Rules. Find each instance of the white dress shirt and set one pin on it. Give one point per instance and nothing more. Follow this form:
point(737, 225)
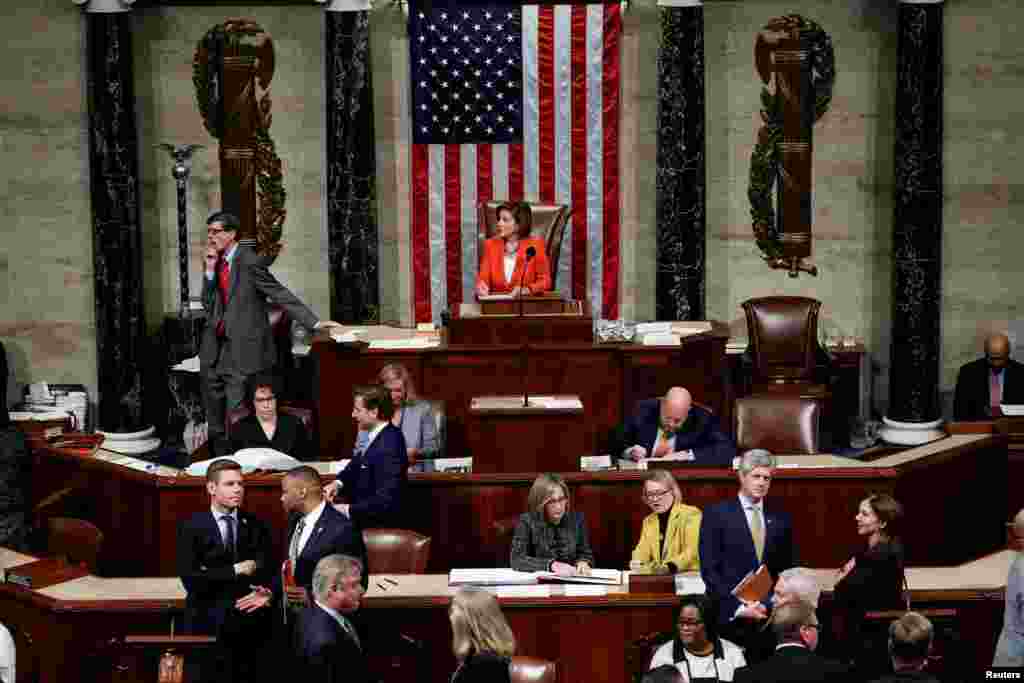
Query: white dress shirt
point(222, 525)
point(748, 511)
point(373, 434)
point(7, 672)
point(310, 519)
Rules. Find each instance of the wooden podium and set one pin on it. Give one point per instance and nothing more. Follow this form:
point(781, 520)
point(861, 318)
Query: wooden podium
point(543, 319)
point(546, 435)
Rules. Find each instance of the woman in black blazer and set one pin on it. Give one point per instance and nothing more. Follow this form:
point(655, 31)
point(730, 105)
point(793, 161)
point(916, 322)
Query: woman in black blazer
point(482, 641)
point(266, 427)
point(551, 537)
point(871, 580)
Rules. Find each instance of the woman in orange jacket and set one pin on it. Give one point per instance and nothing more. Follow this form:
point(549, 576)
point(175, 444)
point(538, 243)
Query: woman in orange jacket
point(513, 262)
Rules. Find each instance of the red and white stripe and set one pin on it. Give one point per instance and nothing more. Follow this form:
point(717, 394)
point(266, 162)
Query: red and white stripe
point(569, 155)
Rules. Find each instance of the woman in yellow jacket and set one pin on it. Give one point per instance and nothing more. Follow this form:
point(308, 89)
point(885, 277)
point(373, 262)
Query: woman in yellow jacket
point(668, 540)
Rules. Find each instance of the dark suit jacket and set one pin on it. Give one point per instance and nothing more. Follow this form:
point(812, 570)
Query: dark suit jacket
point(374, 481)
point(483, 667)
point(207, 569)
point(908, 677)
point(324, 652)
point(533, 542)
point(290, 437)
point(701, 432)
point(245, 318)
point(727, 550)
point(794, 665)
point(971, 399)
point(334, 533)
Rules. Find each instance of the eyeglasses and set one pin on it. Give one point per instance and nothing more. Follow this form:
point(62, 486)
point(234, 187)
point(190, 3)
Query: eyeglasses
point(556, 501)
point(656, 495)
point(691, 624)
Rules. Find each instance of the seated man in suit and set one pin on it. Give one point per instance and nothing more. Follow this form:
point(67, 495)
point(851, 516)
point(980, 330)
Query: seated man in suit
point(375, 478)
point(739, 535)
point(222, 552)
point(326, 645)
point(796, 628)
point(910, 641)
point(315, 530)
point(674, 425)
point(983, 384)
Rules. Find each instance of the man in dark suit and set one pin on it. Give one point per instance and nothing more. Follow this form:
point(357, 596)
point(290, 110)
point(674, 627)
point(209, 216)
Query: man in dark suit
point(222, 553)
point(375, 479)
point(315, 530)
point(983, 384)
point(237, 341)
point(739, 535)
point(325, 642)
point(796, 628)
point(660, 427)
point(910, 641)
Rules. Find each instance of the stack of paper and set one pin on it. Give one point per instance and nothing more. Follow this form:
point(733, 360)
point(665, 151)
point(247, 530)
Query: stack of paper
point(607, 577)
point(1012, 410)
point(688, 583)
point(421, 342)
point(489, 577)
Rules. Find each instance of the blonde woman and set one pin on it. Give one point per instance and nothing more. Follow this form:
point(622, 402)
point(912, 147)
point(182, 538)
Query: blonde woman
point(482, 641)
point(412, 415)
point(551, 537)
point(670, 534)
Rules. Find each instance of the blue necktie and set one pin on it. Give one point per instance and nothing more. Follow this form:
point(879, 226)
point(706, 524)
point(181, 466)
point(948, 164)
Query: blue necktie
point(362, 443)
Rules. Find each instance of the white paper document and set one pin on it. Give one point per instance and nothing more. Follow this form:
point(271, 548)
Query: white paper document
point(188, 365)
point(556, 402)
point(500, 576)
point(578, 590)
point(251, 459)
point(421, 342)
point(1012, 410)
point(690, 582)
point(528, 591)
point(607, 577)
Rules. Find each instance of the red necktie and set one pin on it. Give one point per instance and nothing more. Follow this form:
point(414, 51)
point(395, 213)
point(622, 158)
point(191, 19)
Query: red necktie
point(995, 392)
point(224, 278)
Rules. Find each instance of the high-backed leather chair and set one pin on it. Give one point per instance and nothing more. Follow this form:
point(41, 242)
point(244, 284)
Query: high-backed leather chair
point(641, 651)
point(504, 529)
point(783, 337)
point(396, 551)
point(778, 423)
point(549, 221)
point(532, 670)
point(78, 540)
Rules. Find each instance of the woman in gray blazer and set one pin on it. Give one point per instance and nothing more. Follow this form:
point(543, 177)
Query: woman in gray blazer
point(413, 416)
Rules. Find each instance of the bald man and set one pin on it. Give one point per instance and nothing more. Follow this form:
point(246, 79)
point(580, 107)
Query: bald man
point(984, 384)
point(673, 425)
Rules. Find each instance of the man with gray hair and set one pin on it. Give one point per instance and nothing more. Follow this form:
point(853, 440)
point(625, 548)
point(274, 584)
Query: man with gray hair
point(1010, 648)
point(796, 628)
point(326, 644)
point(739, 535)
point(797, 583)
point(910, 640)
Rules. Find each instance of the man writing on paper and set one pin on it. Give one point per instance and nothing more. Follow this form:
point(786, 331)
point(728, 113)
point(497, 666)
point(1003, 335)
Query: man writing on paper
point(673, 426)
point(984, 384)
point(223, 554)
point(237, 342)
point(740, 535)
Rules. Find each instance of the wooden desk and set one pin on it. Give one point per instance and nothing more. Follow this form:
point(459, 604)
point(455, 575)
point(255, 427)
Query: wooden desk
point(609, 379)
point(70, 624)
point(504, 435)
point(936, 483)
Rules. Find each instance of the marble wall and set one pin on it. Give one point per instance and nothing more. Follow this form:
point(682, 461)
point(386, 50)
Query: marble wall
point(47, 315)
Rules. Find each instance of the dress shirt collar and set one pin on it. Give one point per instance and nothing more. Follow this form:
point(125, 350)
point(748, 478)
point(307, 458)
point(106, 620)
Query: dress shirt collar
point(217, 514)
point(748, 504)
point(230, 253)
point(313, 516)
point(335, 614)
point(782, 645)
point(375, 431)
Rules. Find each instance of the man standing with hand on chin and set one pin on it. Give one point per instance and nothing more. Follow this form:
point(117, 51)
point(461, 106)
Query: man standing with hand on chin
point(223, 555)
point(238, 291)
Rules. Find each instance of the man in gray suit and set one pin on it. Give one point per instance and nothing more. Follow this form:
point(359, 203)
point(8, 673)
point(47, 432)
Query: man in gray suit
point(237, 342)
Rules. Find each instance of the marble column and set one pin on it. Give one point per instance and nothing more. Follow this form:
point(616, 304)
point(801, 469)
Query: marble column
point(917, 223)
point(351, 165)
point(680, 260)
point(114, 187)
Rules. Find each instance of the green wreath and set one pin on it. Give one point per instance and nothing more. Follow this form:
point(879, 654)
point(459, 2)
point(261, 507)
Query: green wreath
point(765, 159)
point(270, 193)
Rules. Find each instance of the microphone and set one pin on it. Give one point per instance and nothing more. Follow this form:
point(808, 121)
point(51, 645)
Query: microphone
point(530, 253)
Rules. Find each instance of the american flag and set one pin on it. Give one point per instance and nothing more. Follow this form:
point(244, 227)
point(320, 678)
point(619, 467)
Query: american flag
point(513, 101)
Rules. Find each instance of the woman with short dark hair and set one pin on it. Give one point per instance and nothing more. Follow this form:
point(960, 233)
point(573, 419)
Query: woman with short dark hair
point(267, 427)
point(696, 651)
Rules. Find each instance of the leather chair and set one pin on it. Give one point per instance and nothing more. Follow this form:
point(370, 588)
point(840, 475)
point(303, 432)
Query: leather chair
point(396, 551)
point(783, 337)
point(780, 424)
point(504, 529)
point(641, 651)
point(76, 539)
point(532, 670)
point(549, 221)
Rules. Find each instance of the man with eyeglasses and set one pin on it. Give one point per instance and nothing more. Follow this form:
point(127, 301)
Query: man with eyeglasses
point(796, 627)
point(237, 293)
point(984, 384)
point(674, 427)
